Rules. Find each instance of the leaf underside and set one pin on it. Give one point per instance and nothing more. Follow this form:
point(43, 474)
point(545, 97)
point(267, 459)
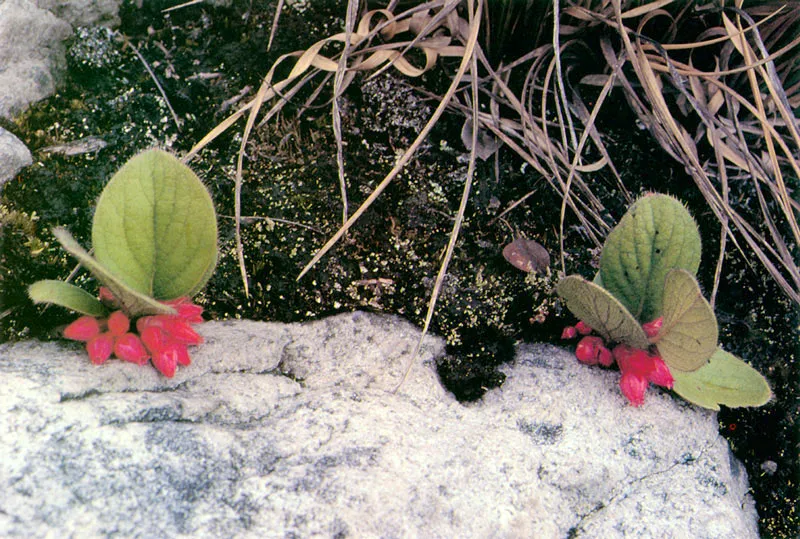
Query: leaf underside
point(132, 302)
point(66, 295)
point(602, 311)
point(689, 332)
point(656, 235)
point(726, 380)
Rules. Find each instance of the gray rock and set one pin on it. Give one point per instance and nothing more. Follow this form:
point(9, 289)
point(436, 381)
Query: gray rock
point(84, 12)
point(14, 156)
point(293, 431)
point(31, 54)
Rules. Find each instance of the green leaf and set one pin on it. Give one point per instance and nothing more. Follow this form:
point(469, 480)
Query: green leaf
point(132, 302)
point(155, 228)
point(66, 295)
point(600, 310)
point(656, 235)
point(688, 335)
point(727, 380)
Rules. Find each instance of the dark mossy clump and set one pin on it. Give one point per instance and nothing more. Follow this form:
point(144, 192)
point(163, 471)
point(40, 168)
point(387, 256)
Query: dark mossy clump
point(211, 59)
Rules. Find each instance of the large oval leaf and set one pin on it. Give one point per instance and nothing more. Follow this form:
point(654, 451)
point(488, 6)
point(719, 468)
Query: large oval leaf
point(131, 301)
point(689, 332)
point(66, 295)
point(600, 310)
point(727, 380)
point(656, 235)
point(155, 228)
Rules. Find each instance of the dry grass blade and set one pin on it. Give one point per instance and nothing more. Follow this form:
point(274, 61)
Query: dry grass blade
point(771, 124)
point(338, 86)
point(156, 81)
point(574, 165)
point(407, 155)
point(364, 59)
point(274, 29)
point(471, 57)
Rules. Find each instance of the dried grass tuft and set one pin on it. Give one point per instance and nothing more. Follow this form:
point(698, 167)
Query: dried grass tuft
point(731, 120)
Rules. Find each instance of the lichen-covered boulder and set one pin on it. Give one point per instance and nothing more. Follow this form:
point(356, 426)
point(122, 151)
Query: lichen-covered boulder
point(292, 430)
point(31, 54)
point(14, 156)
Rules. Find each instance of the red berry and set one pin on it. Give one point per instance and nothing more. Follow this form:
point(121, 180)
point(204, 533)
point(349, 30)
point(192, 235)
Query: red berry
point(100, 347)
point(569, 333)
point(129, 347)
point(83, 329)
point(118, 323)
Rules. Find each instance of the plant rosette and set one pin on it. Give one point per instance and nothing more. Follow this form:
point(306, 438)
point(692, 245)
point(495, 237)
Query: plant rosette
point(649, 315)
point(155, 246)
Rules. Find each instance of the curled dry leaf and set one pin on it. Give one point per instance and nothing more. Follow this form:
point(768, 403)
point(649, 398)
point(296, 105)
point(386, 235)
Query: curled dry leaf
point(486, 145)
point(527, 255)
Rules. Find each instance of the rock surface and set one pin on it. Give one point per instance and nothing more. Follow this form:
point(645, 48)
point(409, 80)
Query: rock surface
point(293, 431)
point(14, 156)
point(31, 54)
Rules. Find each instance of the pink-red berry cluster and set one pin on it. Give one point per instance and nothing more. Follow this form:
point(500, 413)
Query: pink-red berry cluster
point(639, 368)
point(161, 339)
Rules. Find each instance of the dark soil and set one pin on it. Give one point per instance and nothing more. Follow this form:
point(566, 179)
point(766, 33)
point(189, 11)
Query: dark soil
point(204, 56)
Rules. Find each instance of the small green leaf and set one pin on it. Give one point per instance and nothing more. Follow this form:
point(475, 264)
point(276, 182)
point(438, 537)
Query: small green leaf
point(600, 310)
point(727, 380)
point(656, 235)
point(155, 228)
point(689, 332)
point(132, 302)
point(66, 295)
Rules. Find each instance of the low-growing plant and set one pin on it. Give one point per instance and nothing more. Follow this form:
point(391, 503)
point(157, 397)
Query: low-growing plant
point(646, 301)
point(154, 237)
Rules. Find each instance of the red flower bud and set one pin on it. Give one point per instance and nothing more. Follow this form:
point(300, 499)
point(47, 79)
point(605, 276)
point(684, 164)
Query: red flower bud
point(660, 374)
point(177, 301)
point(633, 360)
point(652, 328)
point(588, 350)
point(153, 338)
point(100, 347)
point(582, 328)
point(181, 331)
point(604, 356)
point(190, 312)
point(129, 347)
point(149, 321)
point(118, 323)
point(181, 353)
point(166, 360)
point(83, 329)
point(569, 333)
point(633, 386)
point(107, 297)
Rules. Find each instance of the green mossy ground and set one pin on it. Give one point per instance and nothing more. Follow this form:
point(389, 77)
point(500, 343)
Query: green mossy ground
point(204, 56)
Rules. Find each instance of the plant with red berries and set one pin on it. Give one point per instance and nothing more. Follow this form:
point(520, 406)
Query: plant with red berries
point(155, 246)
point(647, 304)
